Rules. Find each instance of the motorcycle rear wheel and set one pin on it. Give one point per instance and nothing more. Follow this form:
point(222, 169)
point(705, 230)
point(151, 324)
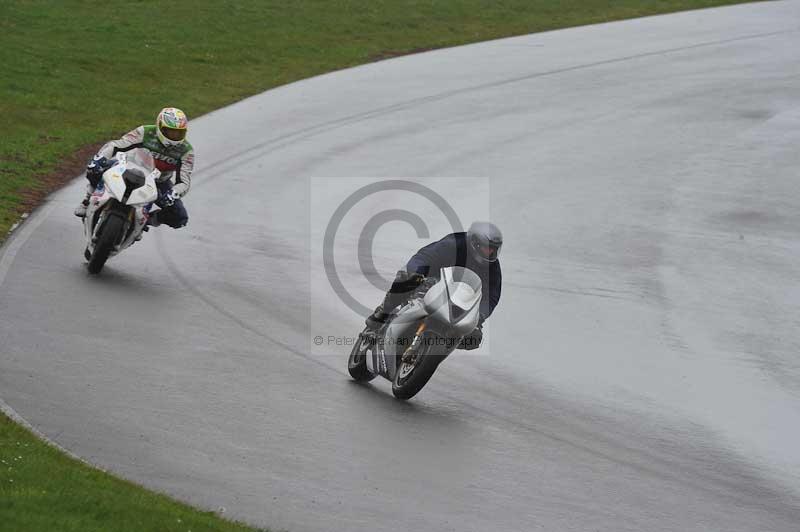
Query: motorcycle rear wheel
point(110, 234)
point(357, 363)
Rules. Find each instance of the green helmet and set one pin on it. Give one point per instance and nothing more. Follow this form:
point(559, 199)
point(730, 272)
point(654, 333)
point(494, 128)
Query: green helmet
point(171, 126)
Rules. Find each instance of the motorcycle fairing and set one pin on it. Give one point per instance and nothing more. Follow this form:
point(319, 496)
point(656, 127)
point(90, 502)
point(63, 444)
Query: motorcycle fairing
point(450, 309)
point(390, 344)
point(453, 303)
point(113, 185)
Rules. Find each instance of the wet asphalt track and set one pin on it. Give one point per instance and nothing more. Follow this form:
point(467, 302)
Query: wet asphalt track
point(642, 372)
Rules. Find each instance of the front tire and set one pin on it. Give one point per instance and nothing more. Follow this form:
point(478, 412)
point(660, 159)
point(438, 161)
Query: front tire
point(357, 363)
point(110, 234)
point(409, 380)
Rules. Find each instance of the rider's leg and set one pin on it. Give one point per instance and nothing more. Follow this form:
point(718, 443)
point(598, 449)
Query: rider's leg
point(80, 210)
point(401, 291)
point(174, 216)
point(94, 173)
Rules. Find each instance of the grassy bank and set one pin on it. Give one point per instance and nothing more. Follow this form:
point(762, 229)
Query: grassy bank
point(43, 490)
point(77, 72)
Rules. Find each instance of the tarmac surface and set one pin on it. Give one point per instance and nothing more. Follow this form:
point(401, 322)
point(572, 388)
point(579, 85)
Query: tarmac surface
point(640, 372)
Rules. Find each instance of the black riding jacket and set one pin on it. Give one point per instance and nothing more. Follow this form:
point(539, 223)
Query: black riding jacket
point(452, 251)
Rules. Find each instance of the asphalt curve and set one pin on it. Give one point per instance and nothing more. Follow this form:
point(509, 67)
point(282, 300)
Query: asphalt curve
point(641, 370)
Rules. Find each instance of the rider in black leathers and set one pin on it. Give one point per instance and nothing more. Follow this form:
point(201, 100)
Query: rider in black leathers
point(477, 249)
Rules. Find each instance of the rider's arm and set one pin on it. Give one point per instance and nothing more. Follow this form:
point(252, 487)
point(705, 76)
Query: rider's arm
point(130, 140)
point(183, 174)
point(430, 259)
point(495, 284)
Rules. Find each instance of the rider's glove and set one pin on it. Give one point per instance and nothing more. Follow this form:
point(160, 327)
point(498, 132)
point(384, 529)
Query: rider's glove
point(95, 169)
point(167, 199)
point(405, 283)
point(472, 340)
point(417, 278)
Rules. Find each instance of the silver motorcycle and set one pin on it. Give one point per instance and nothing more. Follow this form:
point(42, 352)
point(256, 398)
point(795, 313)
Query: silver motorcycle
point(415, 339)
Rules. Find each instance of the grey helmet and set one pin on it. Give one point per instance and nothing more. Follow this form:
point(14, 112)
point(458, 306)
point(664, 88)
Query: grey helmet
point(484, 241)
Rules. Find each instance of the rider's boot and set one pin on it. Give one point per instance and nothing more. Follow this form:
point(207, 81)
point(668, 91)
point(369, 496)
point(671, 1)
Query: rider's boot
point(377, 318)
point(384, 310)
point(80, 210)
point(401, 291)
point(139, 236)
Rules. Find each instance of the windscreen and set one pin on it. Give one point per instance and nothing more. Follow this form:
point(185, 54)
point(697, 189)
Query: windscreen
point(139, 163)
point(141, 159)
point(464, 286)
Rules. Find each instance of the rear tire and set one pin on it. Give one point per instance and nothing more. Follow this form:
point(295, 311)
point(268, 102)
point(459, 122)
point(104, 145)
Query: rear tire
point(357, 363)
point(406, 387)
point(110, 234)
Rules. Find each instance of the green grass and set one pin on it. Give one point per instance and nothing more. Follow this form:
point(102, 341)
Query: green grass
point(79, 72)
point(41, 489)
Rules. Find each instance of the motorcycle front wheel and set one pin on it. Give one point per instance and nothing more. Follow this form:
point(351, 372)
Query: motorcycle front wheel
point(412, 377)
point(357, 363)
point(109, 235)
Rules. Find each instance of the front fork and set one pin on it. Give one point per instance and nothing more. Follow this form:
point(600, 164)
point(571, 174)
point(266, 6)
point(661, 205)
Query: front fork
point(411, 351)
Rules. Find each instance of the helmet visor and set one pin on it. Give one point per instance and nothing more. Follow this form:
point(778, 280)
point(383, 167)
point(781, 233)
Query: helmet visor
point(173, 133)
point(488, 252)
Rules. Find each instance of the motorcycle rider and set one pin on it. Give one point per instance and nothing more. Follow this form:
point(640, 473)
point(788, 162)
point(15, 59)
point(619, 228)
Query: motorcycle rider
point(174, 157)
point(477, 249)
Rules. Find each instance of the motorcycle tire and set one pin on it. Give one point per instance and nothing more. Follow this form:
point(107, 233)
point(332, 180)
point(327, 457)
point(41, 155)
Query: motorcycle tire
point(110, 234)
point(357, 362)
point(406, 387)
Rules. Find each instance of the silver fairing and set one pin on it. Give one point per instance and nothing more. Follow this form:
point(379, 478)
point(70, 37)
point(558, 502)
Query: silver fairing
point(450, 309)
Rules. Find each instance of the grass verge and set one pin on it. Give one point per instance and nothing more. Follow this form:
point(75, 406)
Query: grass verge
point(41, 489)
point(76, 73)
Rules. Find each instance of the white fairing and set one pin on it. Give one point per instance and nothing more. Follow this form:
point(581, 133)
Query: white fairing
point(141, 162)
point(147, 193)
point(138, 163)
point(114, 182)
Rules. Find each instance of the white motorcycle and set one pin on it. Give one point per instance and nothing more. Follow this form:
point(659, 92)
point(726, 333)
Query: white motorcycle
point(120, 206)
point(408, 348)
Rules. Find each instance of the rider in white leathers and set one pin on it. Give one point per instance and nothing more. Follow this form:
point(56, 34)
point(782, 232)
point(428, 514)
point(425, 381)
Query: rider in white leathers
point(174, 157)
